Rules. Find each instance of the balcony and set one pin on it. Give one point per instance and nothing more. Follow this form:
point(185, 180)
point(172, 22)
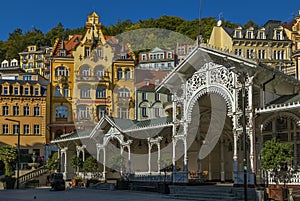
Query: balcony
point(61, 79)
point(92, 78)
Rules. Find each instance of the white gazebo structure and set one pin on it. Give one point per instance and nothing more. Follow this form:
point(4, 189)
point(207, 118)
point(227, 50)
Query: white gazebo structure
point(204, 134)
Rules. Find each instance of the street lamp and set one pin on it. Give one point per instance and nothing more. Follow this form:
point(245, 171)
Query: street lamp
point(242, 73)
point(18, 150)
point(243, 80)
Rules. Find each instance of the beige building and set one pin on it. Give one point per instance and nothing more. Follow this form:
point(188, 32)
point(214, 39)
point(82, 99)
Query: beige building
point(268, 44)
point(23, 102)
point(36, 59)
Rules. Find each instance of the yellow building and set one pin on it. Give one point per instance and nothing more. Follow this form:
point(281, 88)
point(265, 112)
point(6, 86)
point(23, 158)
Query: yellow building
point(123, 89)
point(293, 33)
point(95, 61)
point(36, 60)
point(60, 117)
point(268, 44)
point(23, 110)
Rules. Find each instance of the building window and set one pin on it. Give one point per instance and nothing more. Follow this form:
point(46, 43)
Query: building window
point(101, 111)
point(238, 52)
point(238, 34)
point(61, 112)
point(16, 110)
point(26, 91)
point(36, 111)
point(99, 72)
point(261, 35)
point(26, 110)
point(36, 91)
point(5, 91)
point(85, 71)
point(99, 52)
point(36, 129)
point(30, 64)
point(16, 129)
point(16, 90)
point(30, 56)
point(119, 73)
point(169, 97)
point(85, 92)
point(87, 51)
point(5, 129)
point(62, 71)
point(5, 110)
point(57, 91)
point(83, 113)
point(27, 77)
point(157, 96)
point(278, 35)
point(261, 54)
point(26, 129)
point(62, 53)
point(123, 92)
point(250, 54)
point(144, 112)
point(123, 112)
point(144, 57)
point(249, 34)
point(66, 91)
point(127, 74)
point(156, 112)
point(169, 55)
point(144, 96)
point(101, 93)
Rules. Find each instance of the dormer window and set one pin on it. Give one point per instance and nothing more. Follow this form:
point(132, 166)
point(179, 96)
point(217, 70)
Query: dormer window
point(278, 35)
point(249, 34)
point(62, 53)
point(238, 34)
point(261, 35)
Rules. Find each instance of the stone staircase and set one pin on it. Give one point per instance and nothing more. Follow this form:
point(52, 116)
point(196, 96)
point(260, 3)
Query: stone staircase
point(34, 178)
point(209, 193)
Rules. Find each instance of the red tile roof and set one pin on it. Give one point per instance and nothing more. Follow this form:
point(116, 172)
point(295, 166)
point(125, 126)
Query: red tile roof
point(68, 45)
point(147, 79)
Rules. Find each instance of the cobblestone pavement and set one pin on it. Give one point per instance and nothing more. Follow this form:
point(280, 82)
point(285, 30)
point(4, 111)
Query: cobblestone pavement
point(76, 194)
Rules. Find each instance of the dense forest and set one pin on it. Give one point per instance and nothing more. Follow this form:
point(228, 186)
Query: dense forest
point(19, 40)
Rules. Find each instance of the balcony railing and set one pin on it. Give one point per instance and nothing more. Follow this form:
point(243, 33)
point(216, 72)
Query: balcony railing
point(92, 78)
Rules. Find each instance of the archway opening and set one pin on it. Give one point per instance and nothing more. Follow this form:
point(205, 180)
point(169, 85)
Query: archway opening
point(210, 140)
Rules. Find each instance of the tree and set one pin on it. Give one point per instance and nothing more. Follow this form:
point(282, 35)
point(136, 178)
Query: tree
point(276, 159)
point(7, 156)
point(76, 163)
point(52, 162)
point(90, 165)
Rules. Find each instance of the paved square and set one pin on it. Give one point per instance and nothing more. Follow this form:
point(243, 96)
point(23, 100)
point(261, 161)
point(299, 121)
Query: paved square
point(76, 194)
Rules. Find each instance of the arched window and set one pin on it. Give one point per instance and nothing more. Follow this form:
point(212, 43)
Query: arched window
point(83, 112)
point(127, 74)
point(85, 71)
point(61, 112)
point(61, 71)
point(124, 92)
point(99, 72)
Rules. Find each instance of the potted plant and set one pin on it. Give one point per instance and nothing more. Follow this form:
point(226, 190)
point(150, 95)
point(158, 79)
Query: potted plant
point(7, 156)
point(276, 160)
point(90, 165)
point(77, 164)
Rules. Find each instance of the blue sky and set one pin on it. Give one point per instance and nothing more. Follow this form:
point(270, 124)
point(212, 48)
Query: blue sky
point(72, 13)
